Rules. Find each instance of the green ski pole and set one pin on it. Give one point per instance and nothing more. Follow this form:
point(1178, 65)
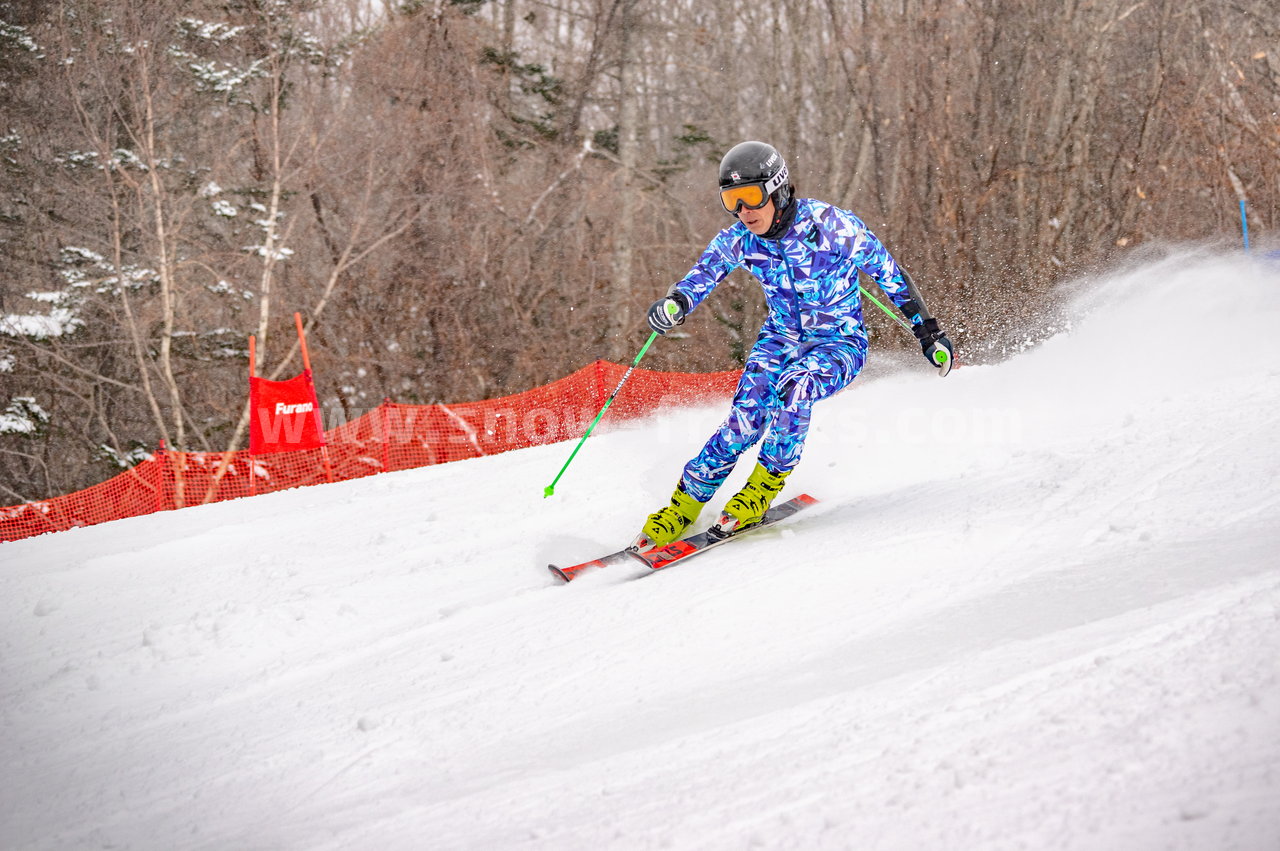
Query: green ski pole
point(551, 488)
point(887, 311)
point(940, 357)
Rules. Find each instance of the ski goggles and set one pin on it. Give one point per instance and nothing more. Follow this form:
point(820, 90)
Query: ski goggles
point(753, 196)
point(749, 195)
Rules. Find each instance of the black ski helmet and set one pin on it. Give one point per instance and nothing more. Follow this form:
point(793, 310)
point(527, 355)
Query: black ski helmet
point(757, 162)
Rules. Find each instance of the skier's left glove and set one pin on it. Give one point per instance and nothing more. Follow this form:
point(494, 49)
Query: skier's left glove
point(935, 345)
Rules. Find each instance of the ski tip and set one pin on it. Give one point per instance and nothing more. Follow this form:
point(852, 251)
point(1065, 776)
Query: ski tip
point(558, 573)
point(806, 499)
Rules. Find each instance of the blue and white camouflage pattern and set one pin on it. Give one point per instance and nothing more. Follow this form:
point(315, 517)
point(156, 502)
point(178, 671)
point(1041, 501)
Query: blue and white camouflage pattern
point(813, 342)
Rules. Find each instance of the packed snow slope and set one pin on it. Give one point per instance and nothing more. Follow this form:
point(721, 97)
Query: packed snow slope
point(1037, 607)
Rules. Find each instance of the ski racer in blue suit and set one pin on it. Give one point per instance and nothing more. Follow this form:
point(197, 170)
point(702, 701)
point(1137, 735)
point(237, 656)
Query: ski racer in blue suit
point(806, 255)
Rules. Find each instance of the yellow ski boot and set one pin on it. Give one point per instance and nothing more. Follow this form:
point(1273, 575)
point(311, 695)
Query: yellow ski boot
point(668, 523)
point(747, 507)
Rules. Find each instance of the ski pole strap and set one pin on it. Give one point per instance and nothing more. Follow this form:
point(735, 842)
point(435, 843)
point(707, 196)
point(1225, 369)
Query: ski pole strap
point(551, 488)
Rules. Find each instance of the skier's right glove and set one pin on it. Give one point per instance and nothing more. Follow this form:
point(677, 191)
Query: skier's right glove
point(667, 312)
point(935, 345)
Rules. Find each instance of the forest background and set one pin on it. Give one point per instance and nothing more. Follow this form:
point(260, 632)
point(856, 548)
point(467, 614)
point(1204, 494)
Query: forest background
point(467, 199)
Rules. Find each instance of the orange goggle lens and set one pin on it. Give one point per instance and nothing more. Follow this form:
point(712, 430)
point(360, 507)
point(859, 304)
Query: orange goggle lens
point(750, 195)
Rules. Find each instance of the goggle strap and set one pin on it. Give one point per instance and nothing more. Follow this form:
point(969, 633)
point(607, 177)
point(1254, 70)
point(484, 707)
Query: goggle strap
point(776, 181)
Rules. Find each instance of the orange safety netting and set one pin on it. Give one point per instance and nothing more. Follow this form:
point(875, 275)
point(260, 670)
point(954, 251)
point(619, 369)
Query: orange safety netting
point(390, 437)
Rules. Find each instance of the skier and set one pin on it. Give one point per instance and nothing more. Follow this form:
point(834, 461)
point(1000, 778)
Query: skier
point(806, 255)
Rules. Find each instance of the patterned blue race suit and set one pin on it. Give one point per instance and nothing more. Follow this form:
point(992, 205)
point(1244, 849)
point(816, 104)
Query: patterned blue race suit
point(813, 342)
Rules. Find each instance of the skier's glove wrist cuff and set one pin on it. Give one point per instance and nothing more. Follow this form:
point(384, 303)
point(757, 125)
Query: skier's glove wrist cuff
point(927, 330)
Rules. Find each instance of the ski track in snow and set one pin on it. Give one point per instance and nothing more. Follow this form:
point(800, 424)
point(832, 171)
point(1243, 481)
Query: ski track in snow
point(1037, 607)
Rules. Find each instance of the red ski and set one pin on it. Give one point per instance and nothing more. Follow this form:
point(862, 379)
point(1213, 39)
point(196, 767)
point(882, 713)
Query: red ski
point(703, 541)
point(687, 547)
point(568, 573)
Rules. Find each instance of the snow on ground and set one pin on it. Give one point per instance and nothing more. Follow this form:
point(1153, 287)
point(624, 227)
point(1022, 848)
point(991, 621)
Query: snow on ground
point(1038, 607)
